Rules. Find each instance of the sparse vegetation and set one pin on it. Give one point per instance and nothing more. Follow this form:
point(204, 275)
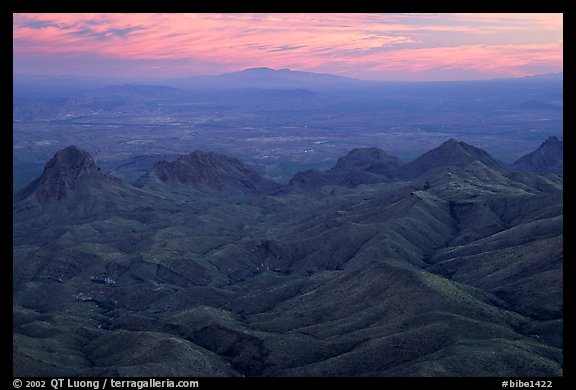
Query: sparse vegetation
point(449, 269)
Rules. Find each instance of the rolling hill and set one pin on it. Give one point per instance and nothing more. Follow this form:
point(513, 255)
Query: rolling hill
point(450, 265)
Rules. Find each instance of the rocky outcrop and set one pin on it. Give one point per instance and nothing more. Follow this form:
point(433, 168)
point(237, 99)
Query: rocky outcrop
point(548, 158)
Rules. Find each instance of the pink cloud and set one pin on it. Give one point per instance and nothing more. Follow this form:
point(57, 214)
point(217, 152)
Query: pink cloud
point(503, 60)
point(347, 44)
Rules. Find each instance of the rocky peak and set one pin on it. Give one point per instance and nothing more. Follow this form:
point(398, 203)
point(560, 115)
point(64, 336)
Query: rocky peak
point(213, 172)
point(452, 153)
point(552, 141)
point(71, 162)
point(62, 173)
point(369, 159)
point(453, 145)
point(547, 158)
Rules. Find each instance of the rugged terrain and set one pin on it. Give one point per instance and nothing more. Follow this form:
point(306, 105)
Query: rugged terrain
point(449, 265)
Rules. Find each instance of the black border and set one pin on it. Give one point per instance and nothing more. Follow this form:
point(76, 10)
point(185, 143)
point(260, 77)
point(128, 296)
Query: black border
point(356, 6)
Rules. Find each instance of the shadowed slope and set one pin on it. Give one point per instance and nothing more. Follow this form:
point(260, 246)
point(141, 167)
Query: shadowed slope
point(457, 272)
point(451, 153)
point(360, 166)
point(72, 188)
point(548, 158)
point(209, 172)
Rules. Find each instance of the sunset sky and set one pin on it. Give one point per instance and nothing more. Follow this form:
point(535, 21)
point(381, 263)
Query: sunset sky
point(366, 46)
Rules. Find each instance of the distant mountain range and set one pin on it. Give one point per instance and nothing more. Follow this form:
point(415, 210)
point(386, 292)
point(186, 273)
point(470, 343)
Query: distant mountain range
point(267, 78)
point(259, 78)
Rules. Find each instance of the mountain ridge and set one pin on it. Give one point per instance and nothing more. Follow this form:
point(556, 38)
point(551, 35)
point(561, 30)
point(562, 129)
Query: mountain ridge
point(451, 152)
point(63, 173)
point(94, 81)
point(267, 78)
point(210, 171)
point(547, 158)
point(456, 272)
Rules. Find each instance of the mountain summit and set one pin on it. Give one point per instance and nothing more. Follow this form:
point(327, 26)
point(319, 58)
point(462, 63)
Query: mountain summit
point(452, 153)
point(359, 166)
point(373, 160)
point(72, 161)
point(267, 78)
point(548, 158)
point(70, 187)
point(62, 173)
point(210, 172)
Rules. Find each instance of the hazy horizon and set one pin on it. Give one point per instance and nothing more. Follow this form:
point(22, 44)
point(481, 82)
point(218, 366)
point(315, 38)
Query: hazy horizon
point(152, 79)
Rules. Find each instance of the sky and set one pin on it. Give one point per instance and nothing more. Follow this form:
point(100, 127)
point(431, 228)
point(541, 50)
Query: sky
point(366, 46)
